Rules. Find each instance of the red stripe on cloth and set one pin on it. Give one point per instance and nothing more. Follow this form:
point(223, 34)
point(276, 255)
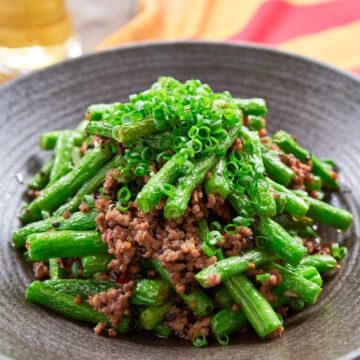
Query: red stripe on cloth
point(356, 71)
point(278, 21)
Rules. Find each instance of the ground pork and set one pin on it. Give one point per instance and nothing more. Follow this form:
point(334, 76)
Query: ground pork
point(133, 235)
point(302, 171)
point(41, 271)
point(113, 303)
point(267, 285)
point(185, 324)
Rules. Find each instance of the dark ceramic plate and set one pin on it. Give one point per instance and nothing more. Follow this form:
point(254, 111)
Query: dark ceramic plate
point(318, 104)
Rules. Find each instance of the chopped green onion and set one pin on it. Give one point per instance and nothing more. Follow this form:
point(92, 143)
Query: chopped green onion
point(338, 252)
point(199, 340)
point(263, 277)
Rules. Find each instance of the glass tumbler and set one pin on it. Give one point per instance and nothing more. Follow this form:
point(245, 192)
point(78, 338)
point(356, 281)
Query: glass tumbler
point(34, 34)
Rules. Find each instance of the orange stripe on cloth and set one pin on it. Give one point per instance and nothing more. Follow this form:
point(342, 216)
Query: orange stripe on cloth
point(338, 46)
point(277, 21)
point(185, 19)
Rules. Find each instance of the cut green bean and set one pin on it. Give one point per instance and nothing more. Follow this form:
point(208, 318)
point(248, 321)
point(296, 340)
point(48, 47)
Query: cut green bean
point(77, 221)
point(296, 285)
point(227, 321)
point(280, 241)
point(310, 273)
point(62, 156)
point(154, 315)
point(290, 146)
point(295, 205)
point(93, 183)
point(163, 331)
point(254, 106)
point(223, 299)
point(234, 265)
point(64, 244)
point(133, 130)
point(80, 287)
point(329, 215)
point(197, 300)
point(276, 169)
point(56, 272)
point(257, 309)
point(151, 292)
point(99, 128)
point(94, 264)
point(41, 178)
point(59, 192)
point(217, 184)
point(64, 304)
point(176, 205)
point(152, 191)
point(48, 140)
point(321, 262)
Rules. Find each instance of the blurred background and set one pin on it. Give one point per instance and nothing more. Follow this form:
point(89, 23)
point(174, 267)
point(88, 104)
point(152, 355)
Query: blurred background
point(38, 33)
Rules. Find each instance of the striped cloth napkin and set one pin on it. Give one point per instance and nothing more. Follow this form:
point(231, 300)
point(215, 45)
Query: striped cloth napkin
point(327, 30)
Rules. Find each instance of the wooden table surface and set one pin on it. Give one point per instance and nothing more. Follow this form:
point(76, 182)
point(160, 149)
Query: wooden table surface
point(96, 19)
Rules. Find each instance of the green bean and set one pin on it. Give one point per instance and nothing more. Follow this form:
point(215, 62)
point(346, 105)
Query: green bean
point(310, 273)
point(329, 215)
point(64, 304)
point(314, 184)
point(58, 193)
point(151, 292)
point(176, 205)
point(48, 140)
point(288, 222)
point(95, 182)
point(80, 287)
point(251, 151)
point(163, 331)
point(203, 229)
point(263, 199)
point(255, 122)
point(227, 321)
point(196, 299)
point(62, 156)
point(75, 155)
point(234, 265)
point(321, 262)
point(100, 111)
point(276, 169)
point(152, 191)
point(56, 272)
point(100, 128)
point(254, 106)
point(223, 299)
point(77, 221)
point(64, 244)
point(289, 145)
point(154, 315)
point(241, 204)
point(297, 285)
point(97, 263)
point(295, 205)
point(41, 178)
point(217, 184)
point(258, 311)
point(133, 130)
point(280, 241)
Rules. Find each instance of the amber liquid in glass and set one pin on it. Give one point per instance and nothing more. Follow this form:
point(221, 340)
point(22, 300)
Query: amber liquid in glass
point(34, 34)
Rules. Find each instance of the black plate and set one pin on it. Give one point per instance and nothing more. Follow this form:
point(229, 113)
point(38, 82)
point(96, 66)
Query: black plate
point(316, 103)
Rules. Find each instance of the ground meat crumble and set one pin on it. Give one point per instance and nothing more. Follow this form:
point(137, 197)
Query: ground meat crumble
point(133, 236)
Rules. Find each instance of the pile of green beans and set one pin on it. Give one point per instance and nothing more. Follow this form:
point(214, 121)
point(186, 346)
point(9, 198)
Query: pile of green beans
point(192, 137)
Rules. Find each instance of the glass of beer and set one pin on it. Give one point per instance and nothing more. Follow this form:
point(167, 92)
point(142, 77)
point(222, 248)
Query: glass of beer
point(34, 34)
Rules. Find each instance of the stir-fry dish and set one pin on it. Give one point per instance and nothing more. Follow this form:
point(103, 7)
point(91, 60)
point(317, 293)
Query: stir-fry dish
point(177, 213)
